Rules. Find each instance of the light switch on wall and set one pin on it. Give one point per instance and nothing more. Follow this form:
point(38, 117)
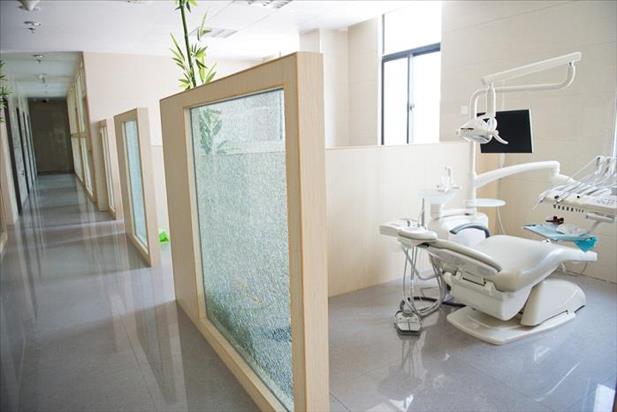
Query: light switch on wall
point(464, 110)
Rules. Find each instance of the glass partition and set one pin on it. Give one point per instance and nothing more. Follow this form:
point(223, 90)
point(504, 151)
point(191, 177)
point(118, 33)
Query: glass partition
point(136, 194)
point(133, 185)
point(85, 162)
point(245, 175)
point(240, 183)
point(77, 157)
point(107, 164)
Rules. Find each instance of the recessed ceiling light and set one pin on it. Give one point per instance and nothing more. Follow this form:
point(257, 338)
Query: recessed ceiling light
point(32, 25)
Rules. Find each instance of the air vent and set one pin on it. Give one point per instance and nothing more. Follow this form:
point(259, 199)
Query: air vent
point(274, 4)
point(216, 32)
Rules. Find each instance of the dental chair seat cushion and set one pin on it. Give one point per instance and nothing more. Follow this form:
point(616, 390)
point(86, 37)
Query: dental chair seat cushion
point(525, 262)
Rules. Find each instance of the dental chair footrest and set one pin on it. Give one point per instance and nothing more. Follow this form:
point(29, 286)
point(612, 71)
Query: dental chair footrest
point(499, 332)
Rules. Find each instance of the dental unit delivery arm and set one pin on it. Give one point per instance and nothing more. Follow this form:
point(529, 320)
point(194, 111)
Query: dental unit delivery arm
point(488, 177)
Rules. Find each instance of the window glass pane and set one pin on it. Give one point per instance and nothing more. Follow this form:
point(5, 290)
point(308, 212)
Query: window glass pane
point(138, 213)
point(76, 157)
point(413, 26)
point(426, 81)
point(240, 183)
point(395, 102)
point(110, 189)
point(86, 164)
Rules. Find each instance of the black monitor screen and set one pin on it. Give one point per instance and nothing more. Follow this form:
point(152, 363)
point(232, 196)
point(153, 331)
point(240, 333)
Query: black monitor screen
point(514, 127)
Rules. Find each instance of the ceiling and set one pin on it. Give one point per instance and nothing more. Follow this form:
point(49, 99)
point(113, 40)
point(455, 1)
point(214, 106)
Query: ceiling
point(56, 69)
point(144, 26)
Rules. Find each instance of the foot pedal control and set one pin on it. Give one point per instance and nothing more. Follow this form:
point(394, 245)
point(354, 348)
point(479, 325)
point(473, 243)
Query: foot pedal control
point(407, 323)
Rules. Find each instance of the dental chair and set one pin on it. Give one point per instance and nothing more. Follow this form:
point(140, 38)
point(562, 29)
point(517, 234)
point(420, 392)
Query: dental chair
point(503, 283)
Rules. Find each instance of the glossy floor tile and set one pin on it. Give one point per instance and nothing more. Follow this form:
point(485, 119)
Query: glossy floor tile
point(86, 326)
point(372, 368)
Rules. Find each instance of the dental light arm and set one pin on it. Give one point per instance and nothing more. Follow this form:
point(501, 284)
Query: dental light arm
point(532, 68)
point(474, 131)
point(484, 128)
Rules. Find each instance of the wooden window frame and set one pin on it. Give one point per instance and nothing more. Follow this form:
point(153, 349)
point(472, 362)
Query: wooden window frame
point(152, 251)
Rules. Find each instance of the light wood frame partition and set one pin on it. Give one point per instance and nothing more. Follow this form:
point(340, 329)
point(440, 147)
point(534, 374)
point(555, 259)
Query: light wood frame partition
point(107, 134)
point(150, 252)
point(300, 76)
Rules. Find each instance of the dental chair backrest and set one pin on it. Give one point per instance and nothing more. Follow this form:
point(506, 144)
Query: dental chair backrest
point(455, 256)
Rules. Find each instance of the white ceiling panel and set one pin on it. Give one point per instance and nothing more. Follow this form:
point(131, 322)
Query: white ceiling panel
point(117, 26)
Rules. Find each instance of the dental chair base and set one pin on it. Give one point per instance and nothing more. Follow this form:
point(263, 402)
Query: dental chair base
point(550, 303)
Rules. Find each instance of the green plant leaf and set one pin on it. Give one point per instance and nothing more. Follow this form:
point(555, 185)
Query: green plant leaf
point(178, 48)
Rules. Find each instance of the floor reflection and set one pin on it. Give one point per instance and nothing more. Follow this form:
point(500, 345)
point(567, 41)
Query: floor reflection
point(85, 325)
point(372, 368)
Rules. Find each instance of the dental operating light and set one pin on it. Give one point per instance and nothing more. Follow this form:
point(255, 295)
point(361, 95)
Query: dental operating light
point(482, 129)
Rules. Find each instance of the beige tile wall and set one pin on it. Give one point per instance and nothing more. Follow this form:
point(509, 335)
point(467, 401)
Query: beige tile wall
point(570, 125)
point(370, 185)
point(120, 82)
point(333, 45)
point(364, 82)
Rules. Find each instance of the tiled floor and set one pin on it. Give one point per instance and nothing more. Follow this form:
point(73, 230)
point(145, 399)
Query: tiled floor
point(86, 326)
point(572, 368)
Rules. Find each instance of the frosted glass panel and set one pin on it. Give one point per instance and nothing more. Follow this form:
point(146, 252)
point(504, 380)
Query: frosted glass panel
point(108, 179)
point(138, 214)
point(76, 157)
point(239, 158)
point(86, 164)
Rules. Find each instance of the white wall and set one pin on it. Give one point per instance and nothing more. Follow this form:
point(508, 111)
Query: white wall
point(364, 68)
point(370, 185)
point(571, 125)
point(120, 82)
point(352, 61)
point(333, 45)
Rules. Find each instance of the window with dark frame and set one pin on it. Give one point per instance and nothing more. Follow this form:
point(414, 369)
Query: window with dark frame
point(410, 77)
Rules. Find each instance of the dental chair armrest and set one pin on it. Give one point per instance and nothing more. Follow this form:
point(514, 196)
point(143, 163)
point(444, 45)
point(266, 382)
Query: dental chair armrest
point(459, 228)
point(414, 236)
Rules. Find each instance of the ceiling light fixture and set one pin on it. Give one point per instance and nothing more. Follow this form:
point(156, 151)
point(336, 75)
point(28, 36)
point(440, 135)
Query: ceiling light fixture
point(275, 4)
point(32, 25)
point(216, 32)
point(29, 5)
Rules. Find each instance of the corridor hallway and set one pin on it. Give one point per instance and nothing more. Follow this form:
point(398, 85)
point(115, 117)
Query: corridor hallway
point(85, 325)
